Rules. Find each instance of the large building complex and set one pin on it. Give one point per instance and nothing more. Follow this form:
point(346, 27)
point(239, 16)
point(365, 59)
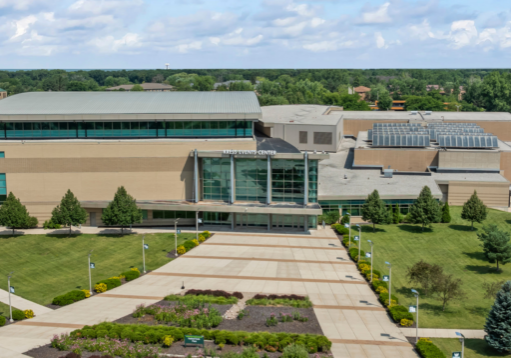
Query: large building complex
point(220, 159)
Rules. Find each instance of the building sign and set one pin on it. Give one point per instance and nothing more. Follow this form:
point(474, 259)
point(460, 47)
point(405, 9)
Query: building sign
point(253, 152)
point(196, 340)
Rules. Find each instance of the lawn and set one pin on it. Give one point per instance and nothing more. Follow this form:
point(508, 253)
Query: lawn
point(46, 266)
point(4, 310)
point(453, 246)
point(474, 348)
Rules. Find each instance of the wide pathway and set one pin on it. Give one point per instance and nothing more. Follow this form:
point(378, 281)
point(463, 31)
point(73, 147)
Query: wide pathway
point(318, 266)
point(23, 304)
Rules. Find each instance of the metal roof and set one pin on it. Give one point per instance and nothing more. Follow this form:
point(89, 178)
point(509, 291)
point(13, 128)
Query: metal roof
point(421, 116)
point(98, 103)
point(301, 114)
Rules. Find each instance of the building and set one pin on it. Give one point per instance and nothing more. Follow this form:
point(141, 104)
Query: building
point(397, 105)
point(3, 93)
point(148, 87)
point(220, 159)
point(362, 91)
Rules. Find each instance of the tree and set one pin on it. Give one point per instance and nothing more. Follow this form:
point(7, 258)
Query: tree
point(122, 210)
point(69, 212)
point(425, 210)
point(330, 217)
point(424, 274)
point(345, 218)
point(390, 215)
point(241, 86)
point(448, 288)
point(77, 86)
point(13, 214)
point(385, 102)
point(416, 103)
point(374, 209)
point(496, 245)
point(137, 88)
point(396, 214)
point(474, 210)
point(446, 213)
point(498, 322)
point(492, 288)
point(496, 92)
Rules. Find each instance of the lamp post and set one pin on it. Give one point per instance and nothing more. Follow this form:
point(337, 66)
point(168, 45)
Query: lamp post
point(175, 235)
point(359, 240)
point(90, 276)
point(143, 252)
point(349, 238)
point(462, 340)
point(9, 288)
point(390, 281)
point(416, 294)
point(371, 243)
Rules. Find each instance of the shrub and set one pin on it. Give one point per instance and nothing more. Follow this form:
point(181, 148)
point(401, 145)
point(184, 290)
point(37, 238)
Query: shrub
point(18, 315)
point(429, 350)
point(199, 300)
point(214, 293)
point(382, 289)
point(279, 301)
point(295, 351)
point(28, 314)
point(206, 234)
point(87, 293)
point(406, 322)
point(202, 238)
point(181, 250)
point(376, 273)
point(131, 275)
point(167, 341)
point(100, 287)
point(399, 313)
point(2, 321)
point(354, 253)
point(32, 222)
point(70, 297)
point(384, 298)
point(378, 283)
point(49, 224)
point(110, 283)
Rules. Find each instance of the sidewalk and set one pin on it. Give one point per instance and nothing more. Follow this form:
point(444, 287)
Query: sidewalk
point(23, 304)
point(444, 333)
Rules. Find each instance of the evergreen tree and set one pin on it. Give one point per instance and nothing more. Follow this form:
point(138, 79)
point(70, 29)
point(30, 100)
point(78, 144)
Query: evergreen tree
point(396, 214)
point(496, 245)
point(69, 212)
point(425, 210)
point(13, 214)
point(446, 213)
point(498, 322)
point(374, 209)
point(122, 210)
point(390, 215)
point(474, 210)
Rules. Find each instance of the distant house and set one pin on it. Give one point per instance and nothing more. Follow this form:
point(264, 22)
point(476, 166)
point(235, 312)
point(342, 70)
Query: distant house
point(3, 93)
point(148, 87)
point(362, 91)
point(441, 90)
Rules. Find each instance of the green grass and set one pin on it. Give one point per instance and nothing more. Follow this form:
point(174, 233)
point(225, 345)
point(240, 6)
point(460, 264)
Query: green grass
point(4, 310)
point(474, 348)
point(46, 266)
point(454, 247)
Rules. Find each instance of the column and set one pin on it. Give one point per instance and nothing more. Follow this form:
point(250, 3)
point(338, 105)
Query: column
point(306, 181)
point(305, 224)
point(268, 179)
point(196, 175)
point(269, 222)
point(232, 221)
point(232, 179)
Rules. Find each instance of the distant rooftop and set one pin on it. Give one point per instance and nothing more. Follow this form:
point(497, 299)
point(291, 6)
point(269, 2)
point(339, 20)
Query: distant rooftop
point(361, 89)
point(2, 90)
point(134, 103)
point(301, 114)
point(421, 116)
point(145, 86)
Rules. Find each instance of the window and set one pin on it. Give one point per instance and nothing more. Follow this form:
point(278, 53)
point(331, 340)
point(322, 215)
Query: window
point(251, 179)
point(303, 137)
point(216, 178)
point(288, 180)
point(167, 214)
point(2, 154)
point(322, 138)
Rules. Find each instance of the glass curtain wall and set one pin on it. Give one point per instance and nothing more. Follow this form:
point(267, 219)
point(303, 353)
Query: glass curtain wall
point(213, 218)
point(3, 188)
point(216, 178)
point(355, 206)
point(288, 180)
point(251, 179)
point(166, 214)
point(171, 129)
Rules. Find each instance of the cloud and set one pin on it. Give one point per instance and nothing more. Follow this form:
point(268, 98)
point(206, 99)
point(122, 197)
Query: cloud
point(21, 4)
point(23, 25)
point(184, 48)
point(129, 43)
point(462, 33)
point(380, 41)
point(377, 16)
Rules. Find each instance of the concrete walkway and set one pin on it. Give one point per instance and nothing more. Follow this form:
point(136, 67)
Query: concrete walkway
point(318, 266)
point(444, 333)
point(23, 304)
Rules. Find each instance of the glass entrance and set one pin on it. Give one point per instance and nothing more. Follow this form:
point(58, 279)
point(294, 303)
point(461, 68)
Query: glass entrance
point(252, 220)
point(288, 221)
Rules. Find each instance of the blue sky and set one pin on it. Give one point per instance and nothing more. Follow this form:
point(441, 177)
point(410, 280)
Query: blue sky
point(88, 34)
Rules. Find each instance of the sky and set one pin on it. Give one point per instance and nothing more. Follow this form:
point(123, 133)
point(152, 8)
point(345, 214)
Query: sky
point(131, 34)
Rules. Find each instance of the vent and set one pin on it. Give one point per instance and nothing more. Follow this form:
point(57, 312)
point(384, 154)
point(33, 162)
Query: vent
point(303, 137)
point(322, 138)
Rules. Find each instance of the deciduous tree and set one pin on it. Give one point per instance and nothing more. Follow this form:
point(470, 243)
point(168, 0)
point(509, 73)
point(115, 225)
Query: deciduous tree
point(474, 210)
point(122, 211)
point(448, 288)
point(424, 274)
point(69, 212)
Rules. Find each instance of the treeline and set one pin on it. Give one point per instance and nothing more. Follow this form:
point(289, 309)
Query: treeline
point(488, 90)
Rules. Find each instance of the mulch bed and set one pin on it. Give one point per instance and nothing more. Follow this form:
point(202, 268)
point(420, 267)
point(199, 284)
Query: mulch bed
point(255, 321)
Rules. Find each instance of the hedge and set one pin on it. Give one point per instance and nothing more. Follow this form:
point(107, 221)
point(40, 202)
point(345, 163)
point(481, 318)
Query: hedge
point(18, 315)
point(155, 334)
point(68, 298)
point(341, 230)
point(385, 296)
point(130, 275)
point(429, 349)
point(399, 312)
point(354, 253)
point(110, 283)
point(2, 321)
point(215, 293)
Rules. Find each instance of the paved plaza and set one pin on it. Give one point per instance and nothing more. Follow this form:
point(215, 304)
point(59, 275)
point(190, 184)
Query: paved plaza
point(318, 266)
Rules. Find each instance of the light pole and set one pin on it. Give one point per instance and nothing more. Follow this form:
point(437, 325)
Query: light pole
point(359, 240)
point(417, 319)
point(9, 288)
point(462, 340)
point(90, 276)
point(143, 252)
point(175, 235)
point(390, 281)
point(371, 243)
point(349, 238)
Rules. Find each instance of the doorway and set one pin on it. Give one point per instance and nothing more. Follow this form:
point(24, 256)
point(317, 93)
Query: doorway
point(92, 219)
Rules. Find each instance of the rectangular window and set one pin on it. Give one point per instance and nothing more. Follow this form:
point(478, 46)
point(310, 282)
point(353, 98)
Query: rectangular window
point(216, 174)
point(2, 154)
point(144, 214)
point(251, 179)
point(303, 137)
point(3, 186)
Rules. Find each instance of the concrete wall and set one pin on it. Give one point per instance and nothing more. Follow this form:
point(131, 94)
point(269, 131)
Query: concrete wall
point(408, 160)
point(3, 95)
point(505, 165)
point(291, 132)
point(469, 159)
point(39, 173)
point(491, 193)
point(353, 126)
